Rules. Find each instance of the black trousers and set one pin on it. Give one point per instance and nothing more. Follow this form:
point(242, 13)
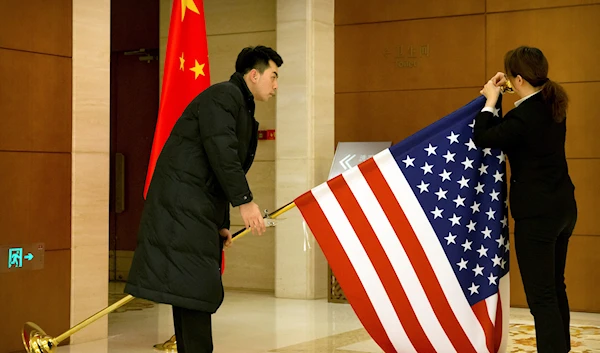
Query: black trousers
point(193, 331)
point(541, 249)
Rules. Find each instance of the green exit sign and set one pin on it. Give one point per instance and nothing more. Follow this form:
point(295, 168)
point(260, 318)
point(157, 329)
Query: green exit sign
point(22, 257)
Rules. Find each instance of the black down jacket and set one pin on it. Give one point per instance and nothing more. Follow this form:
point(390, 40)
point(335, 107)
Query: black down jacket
point(200, 171)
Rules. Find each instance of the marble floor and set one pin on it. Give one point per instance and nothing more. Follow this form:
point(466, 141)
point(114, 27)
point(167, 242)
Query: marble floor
point(259, 323)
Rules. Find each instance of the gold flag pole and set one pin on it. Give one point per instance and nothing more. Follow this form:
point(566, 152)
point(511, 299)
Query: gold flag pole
point(36, 340)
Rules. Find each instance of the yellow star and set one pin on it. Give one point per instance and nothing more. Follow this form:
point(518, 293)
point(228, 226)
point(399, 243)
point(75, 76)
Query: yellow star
point(181, 62)
point(188, 4)
point(198, 69)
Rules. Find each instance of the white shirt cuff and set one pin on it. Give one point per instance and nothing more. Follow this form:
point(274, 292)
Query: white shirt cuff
point(488, 109)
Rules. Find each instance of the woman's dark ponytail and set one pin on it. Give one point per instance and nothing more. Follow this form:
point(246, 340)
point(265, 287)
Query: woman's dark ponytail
point(556, 96)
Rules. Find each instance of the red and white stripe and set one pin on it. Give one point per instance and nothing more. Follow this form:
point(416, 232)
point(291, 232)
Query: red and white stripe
point(393, 268)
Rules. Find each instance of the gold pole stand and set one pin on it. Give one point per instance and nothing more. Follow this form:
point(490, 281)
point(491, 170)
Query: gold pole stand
point(36, 340)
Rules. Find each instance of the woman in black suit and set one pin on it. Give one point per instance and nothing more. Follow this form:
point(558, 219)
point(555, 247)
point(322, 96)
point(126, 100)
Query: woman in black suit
point(542, 199)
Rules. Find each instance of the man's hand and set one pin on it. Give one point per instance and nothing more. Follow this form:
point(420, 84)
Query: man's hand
point(252, 217)
point(225, 233)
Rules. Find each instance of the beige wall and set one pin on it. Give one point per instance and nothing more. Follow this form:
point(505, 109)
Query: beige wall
point(90, 165)
point(305, 126)
point(232, 25)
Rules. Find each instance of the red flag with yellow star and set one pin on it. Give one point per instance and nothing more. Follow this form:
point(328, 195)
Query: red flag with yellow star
point(186, 71)
point(186, 74)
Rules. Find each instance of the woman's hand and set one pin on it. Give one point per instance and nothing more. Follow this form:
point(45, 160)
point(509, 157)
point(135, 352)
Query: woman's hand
point(491, 92)
point(499, 79)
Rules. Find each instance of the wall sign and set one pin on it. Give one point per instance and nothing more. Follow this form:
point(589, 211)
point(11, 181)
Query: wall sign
point(406, 56)
point(350, 154)
point(28, 257)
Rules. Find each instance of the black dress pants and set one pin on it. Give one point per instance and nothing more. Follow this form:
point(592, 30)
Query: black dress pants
point(541, 249)
point(193, 331)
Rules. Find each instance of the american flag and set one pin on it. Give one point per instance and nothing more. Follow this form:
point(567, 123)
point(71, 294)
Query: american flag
point(417, 237)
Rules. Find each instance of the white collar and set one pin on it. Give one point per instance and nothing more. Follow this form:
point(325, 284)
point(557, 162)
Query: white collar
point(517, 103)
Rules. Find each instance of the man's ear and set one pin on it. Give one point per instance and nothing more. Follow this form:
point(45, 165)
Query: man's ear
point(254, 75)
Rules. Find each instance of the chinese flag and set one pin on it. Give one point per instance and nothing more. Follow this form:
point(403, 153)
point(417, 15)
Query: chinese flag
point(186, 71)
point(186, 74)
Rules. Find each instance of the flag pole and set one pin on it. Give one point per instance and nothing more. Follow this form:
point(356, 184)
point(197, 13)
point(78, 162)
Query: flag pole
point(36, 340)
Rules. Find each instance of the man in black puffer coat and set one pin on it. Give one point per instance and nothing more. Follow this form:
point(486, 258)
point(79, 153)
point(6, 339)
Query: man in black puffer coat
point(200, 171)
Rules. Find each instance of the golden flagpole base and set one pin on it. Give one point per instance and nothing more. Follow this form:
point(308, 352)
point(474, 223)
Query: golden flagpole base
point(169, 346)
point(36, 340)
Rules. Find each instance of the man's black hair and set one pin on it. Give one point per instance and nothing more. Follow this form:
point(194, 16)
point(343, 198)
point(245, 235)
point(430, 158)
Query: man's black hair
point(256, 58)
